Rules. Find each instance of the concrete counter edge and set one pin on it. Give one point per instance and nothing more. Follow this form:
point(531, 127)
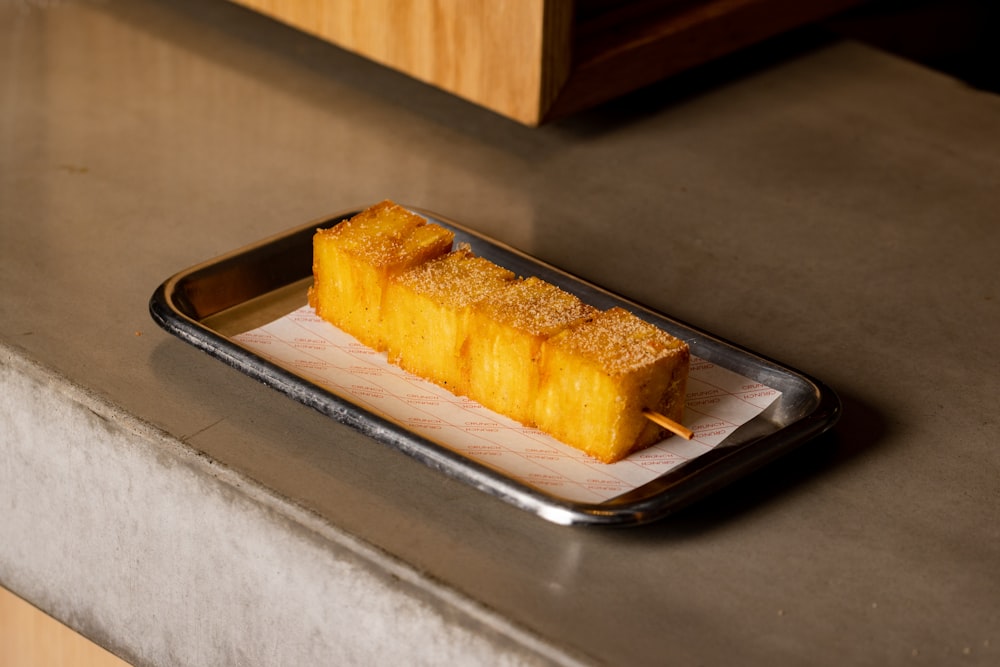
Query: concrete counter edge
point(133, 539)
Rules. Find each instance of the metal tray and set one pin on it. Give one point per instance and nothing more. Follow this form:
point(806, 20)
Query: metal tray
point(206, 305)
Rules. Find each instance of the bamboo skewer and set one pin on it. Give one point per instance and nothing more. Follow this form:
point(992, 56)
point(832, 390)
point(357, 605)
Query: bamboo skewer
point(669, 424)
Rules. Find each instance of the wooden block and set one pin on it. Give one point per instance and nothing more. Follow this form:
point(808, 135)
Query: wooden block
point(511, 57)
point(536, 60)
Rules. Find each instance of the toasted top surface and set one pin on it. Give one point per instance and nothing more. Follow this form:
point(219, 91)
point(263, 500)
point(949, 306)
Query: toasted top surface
point(381, 221)
point(456, 279)
point(535, 306)
point(619, 342)
point(385, 234)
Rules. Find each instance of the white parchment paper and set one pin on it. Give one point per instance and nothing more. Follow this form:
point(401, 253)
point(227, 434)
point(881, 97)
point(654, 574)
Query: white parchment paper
point(718, 402)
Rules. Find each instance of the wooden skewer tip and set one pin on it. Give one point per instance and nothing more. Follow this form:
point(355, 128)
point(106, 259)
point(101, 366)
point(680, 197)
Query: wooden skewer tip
point(666, 422)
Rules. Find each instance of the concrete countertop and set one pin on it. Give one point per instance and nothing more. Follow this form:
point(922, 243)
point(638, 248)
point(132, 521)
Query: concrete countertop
point(832, 207)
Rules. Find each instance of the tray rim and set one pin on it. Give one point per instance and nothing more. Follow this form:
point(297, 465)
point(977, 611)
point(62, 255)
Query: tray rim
point(715, 469)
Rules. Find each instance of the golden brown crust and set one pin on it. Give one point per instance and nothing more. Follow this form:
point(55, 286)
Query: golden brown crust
point(520, 346)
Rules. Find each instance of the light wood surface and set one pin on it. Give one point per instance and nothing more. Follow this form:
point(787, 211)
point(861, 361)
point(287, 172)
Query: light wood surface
point(508, 56)
point(31, 638)
point(535, 60)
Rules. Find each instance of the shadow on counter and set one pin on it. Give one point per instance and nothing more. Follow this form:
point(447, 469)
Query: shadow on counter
point(860, 430)
point(956, 38)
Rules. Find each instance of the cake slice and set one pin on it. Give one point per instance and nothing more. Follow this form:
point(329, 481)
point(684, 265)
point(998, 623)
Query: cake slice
point(519, 346)
point(506, 332)
point(599, 375)
point(354, 260)
point(426, 312)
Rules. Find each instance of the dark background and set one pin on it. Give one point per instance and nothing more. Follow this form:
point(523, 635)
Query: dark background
point(958, 37)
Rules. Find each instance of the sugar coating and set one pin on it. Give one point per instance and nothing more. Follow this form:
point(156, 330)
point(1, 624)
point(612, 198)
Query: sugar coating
point(354, 260)
point(520, 346)
point(506, 332)
point(456, 279)
point(611, 368)
point(426, 314)
point(385, 215)
point(619, 342)
point(535, 307)
point(385, 235)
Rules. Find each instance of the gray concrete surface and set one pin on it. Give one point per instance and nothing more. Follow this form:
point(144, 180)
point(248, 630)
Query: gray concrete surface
point(833, 207)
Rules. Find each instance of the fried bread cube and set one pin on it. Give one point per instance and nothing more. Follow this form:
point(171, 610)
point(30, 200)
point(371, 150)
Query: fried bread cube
point(599, 375)
point(506, 332)
point(426, 313)
point(521, 347)
point(353, 261)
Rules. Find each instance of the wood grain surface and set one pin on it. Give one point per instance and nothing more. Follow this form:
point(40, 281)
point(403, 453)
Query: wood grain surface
point(535, 60)
point(31, 638)
point(507, 56)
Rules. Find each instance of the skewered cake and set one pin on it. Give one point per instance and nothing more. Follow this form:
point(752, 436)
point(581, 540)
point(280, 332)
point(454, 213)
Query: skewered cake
point(519, 346)
point(506, 332)
point(353, 261)
point(427, 311)
point(600, 374)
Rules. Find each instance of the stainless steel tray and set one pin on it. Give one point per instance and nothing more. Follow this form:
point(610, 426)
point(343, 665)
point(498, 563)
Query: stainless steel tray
point(206, 305)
